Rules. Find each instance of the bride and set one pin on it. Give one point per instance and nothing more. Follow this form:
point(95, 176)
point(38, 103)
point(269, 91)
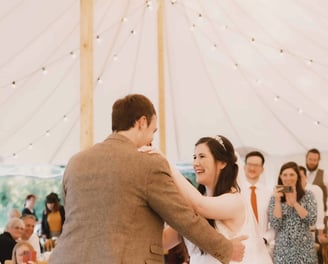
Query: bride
point(218, 199)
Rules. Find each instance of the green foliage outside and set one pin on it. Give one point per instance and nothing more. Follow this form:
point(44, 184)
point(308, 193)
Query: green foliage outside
point(13, 190)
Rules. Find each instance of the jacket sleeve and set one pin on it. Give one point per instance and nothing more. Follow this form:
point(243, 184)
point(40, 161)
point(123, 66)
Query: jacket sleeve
point(62, 213)
point(164, 198)
point(44, 225)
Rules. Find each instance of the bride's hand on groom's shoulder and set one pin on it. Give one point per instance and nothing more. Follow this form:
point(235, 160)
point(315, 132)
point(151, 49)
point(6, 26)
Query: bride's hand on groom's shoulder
point(151, 150)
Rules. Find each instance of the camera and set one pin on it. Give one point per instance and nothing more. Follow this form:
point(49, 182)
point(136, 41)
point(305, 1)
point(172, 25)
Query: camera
point(29, 256)
point(286, 189)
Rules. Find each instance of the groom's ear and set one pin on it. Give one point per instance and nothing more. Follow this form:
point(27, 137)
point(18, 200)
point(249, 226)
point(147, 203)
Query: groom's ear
point(142, 122)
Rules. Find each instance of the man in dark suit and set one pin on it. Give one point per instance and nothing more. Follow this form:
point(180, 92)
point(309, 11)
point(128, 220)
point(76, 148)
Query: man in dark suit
point(117, 199)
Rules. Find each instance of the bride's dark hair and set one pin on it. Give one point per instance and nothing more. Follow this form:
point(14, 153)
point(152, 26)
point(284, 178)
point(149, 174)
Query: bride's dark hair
point(222, 150)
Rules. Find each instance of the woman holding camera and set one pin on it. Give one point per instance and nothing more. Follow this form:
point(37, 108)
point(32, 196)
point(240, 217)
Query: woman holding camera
point(292, 211)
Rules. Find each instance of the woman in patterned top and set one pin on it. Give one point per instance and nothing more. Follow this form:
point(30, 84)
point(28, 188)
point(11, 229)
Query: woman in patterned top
point(291, 213)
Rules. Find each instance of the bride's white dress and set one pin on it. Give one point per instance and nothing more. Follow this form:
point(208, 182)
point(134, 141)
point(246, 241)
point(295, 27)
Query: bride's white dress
point(255, 249)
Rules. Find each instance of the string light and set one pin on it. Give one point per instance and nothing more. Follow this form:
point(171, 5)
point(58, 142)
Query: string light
point(72, 54)
point(99, 80)
point(98, 39)
point(124, 19)
point(149, 4)
point(214, 47)
point(276, 98)
point(44, 70)
point(317, 122)
point(30, 146)
point(13, 84)
point(300, 111)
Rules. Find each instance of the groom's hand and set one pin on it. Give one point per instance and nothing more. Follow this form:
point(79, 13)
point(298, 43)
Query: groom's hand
point(238, 248)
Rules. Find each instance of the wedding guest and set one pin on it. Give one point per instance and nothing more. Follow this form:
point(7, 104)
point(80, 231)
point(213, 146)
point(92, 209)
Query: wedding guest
point(53, 217)
point(316, 175)
point(29, 206)
point(292, 211)
point(19, 251)
point(29, 235)
point(13, 232)
point(257, 194)
point(14, 212)
point(319, 228)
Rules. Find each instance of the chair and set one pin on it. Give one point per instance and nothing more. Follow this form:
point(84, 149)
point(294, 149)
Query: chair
point(324, 252)
point(38, 262)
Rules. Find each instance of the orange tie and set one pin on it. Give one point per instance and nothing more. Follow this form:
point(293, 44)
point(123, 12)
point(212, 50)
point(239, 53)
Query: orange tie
point(253, 202)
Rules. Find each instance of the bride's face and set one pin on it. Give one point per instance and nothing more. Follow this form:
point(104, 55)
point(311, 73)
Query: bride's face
point(207, 169)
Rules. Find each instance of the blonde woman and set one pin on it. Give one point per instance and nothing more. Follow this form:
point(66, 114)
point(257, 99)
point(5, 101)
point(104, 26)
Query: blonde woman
point(22, 249)
point(13, 232)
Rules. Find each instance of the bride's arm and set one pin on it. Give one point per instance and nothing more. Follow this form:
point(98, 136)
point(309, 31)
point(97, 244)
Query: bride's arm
point(219, 207)
point(188, 191)
point(225, 206)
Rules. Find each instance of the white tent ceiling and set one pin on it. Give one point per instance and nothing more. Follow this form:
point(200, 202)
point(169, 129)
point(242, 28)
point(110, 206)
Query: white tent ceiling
point(255, 71)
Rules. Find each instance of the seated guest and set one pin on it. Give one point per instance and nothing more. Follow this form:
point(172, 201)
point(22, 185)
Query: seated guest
point(13, 231)
point(53, 217)
point(19, 251)
point(29, 235)
point(29, 206)
point(14, 212)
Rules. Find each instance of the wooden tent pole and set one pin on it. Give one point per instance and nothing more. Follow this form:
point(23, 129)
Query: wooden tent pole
point(161, 80)
point(86, 74)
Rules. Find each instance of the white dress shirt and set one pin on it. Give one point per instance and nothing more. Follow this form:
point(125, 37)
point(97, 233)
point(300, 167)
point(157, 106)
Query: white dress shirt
point(263, 195)
point(310, 176)
point(317, 192)
point(35, 242)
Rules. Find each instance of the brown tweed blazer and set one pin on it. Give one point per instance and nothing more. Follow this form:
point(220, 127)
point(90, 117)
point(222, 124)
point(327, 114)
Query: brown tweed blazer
point(116, 201)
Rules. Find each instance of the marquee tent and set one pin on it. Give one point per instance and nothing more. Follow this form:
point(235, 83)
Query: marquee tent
point(255, 71)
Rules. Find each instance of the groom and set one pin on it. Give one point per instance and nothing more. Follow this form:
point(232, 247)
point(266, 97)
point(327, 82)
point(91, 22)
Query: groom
point(117, 199)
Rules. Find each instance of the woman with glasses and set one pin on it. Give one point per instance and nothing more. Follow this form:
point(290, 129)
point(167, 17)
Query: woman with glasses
point(8, 238)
